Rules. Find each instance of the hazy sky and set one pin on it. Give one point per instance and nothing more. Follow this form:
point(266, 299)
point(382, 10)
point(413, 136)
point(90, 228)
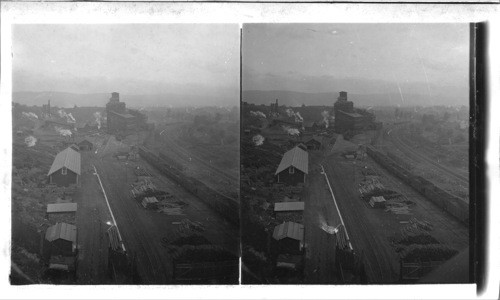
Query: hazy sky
point(133, 59)
point(361, 58)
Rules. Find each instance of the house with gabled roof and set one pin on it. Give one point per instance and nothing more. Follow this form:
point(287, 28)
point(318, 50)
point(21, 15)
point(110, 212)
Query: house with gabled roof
point(66, 168)
point(61, 239)
point(294, 167)
point(290, 237)
point(84, 144)
point(314, 143)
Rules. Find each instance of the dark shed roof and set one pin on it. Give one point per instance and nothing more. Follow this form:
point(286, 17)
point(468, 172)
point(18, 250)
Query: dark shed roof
point(61, 231)
point(289, 230)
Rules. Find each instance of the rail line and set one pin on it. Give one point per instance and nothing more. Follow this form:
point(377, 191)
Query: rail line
point(109, 207)
point(144, 250)
point(374, 265)
point(396, 182)
point(414, 153)
point(179, 150)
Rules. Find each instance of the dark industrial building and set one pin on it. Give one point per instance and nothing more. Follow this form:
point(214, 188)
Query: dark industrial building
point(293, 167)
point(47, 110)
point(66, 168)
point(275, 108)
point(121, 120)
point(349, 118)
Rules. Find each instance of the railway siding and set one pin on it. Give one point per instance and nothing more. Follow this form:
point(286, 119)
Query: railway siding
point(453, 205)
point(225, 206)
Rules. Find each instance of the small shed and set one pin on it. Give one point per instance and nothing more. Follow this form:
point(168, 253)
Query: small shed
point(302, 146)
point(288, 206)
point(289, 211)
point(61, 213)
point(66, 168)
point(85, 145)
point(377, 202)
point(314, 143)
point(54, 208)
point(294, 167)
point(290, 237)
point(61, 239)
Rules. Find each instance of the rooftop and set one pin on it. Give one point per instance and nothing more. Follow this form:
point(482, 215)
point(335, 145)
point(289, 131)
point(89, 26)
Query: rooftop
point(127, 116)
point(295, 157)
point(61, 231)
point(353, 114)
point(289, 230)
point(68, 158)
point(61, 207)
point(289, 206)
point(314, 138)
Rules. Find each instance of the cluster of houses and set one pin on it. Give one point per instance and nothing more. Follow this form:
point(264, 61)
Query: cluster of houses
point(60, 244)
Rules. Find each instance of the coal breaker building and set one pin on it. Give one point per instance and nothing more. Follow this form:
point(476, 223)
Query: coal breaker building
point(347, 117)
point(121, 120)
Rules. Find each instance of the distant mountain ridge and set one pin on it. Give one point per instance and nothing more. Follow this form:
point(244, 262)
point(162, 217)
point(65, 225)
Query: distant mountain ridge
point(63, 99)
point(292, 98)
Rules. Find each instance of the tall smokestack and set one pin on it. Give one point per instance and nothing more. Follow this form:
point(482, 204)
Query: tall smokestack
point(276, 106)
point(49, 109)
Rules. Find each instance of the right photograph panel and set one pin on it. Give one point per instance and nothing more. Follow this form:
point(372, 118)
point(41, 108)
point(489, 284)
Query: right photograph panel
point(355, 153)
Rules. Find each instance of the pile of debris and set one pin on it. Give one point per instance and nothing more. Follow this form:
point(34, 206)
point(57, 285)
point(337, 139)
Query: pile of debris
point(172, 207)
point(417, 232)
point(146, 188)
point(373, 188)
point(140, 171)
point(430, 252)
point(150, 203)
point(188, 227)
point(399, 205)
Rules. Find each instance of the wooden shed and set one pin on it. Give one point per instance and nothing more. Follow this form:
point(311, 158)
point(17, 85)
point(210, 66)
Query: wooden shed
point(66, 168)
point(290, 237)
point(61, 239)
point(293, 167)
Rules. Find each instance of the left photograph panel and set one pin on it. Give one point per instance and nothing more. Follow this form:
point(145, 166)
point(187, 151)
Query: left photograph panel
point(125, 164)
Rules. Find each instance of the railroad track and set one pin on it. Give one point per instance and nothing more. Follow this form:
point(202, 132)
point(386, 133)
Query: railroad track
point(442, 223)
point(154, 271)
point(180, 151)
point(378, 265)
point(407, 149)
